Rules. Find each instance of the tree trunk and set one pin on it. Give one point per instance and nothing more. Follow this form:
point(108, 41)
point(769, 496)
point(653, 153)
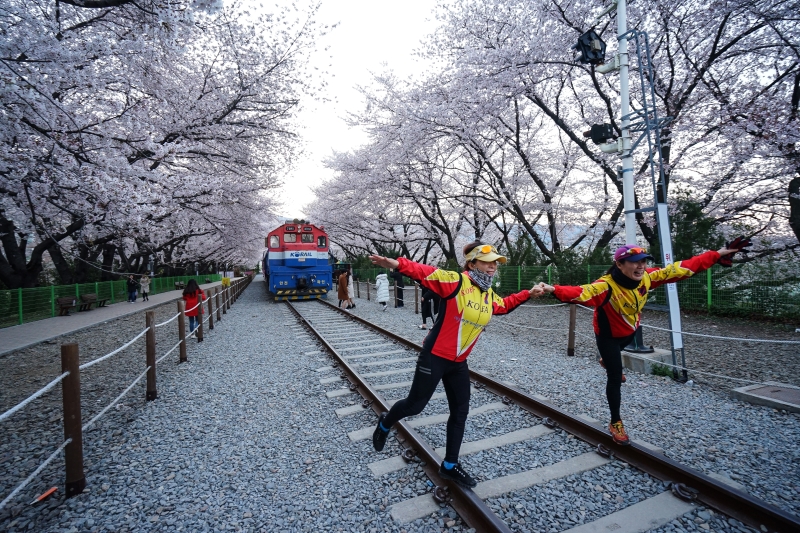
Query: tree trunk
point(794, 205)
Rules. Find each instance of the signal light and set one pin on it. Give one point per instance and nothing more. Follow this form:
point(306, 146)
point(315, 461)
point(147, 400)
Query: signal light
point(600, 133)
point(591, 47)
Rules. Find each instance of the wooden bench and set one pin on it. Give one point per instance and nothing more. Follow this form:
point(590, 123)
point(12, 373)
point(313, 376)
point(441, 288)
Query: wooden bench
point(179, 285)
point(88, 299)
point(64, 305)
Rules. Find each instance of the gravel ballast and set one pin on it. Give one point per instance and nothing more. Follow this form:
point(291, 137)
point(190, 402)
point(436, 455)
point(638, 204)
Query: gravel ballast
point(243, 438)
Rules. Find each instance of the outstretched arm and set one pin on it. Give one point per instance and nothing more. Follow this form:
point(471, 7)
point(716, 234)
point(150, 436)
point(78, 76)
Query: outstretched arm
point(385, 262)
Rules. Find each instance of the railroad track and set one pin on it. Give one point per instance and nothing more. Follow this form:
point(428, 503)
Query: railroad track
point(374, 362)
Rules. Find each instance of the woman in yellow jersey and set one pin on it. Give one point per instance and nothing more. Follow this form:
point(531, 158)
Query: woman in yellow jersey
point(467, 304)
point(618, 299)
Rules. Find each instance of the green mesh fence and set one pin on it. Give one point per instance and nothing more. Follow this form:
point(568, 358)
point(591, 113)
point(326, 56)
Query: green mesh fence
point(19, 306)
point(765, 290)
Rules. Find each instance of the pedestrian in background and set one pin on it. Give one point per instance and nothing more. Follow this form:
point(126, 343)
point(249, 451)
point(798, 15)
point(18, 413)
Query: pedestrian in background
point(145, 285)
point(429, 305)
point(342, 290)
point(399, 285)
point(193, 295)
point(350, 290)
point(132, 285)
point(382, 289)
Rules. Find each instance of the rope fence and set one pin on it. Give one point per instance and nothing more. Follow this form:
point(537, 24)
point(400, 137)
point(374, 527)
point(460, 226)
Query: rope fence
point(115, 352)
point(33, 396)
point(70, 380)
point(571, 331)
point(34, 473)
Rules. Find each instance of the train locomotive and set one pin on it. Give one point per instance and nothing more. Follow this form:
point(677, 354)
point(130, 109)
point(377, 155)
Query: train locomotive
point(296, 262)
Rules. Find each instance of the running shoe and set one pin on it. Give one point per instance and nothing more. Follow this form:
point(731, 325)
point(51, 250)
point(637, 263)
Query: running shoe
point(458, 475)
point(617, 430)
point(624, 379)
point(379, 436)
point(422, 326)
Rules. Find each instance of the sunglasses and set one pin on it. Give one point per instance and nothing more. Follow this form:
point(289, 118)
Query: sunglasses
point(636, 250)
point(482, 249)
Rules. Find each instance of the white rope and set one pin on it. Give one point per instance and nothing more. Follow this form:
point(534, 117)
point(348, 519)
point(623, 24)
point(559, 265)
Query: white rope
point(137, 337)
point(168, 321)
point(199, 302)
point(114, 402)
point(719, 337)
point(511, 324)
point(547, 305)
point(775, 341)
point(169, 352)
point(34, 474)
point(33, 396)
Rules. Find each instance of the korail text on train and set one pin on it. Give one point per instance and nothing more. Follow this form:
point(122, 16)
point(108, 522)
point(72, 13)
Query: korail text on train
point(296, 265)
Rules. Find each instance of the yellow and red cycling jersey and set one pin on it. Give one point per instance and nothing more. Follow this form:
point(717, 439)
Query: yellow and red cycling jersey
point(617, 309)
point(464, 312)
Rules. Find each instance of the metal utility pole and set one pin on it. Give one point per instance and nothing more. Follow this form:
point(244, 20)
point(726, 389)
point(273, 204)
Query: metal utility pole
point(649, 124)
point(625, 105)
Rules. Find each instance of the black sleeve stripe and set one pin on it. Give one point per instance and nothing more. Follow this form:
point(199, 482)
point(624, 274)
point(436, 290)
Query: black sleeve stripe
point(458, 288)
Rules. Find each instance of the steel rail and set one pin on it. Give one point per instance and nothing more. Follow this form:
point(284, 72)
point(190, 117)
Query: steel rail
point(688, 483)
point(466, 503)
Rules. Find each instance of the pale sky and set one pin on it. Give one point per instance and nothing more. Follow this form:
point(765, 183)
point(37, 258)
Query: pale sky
point(371, 37)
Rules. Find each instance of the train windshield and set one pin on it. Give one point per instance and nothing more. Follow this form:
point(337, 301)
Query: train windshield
point(289, 237)
point(273, 241)
point(307, 237)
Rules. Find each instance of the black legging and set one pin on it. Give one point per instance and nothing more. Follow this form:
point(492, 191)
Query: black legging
point(611, 351)
point(455, 377)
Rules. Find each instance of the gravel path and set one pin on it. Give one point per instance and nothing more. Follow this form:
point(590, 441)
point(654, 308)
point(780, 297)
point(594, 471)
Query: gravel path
point(243, 438)
point(698, 425)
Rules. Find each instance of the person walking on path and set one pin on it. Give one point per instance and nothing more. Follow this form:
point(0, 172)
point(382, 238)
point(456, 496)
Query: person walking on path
point(399, 285)
point(342, 290)
point(618, 298)
point(382, 289)
point(193, 295)
point(429, 305)
point(350, 290)
point(145, 284)
point(132, 285)
point(468, 303)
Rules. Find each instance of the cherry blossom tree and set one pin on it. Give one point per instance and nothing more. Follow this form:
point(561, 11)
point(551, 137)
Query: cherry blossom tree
point(141, 131)
point(509, 95)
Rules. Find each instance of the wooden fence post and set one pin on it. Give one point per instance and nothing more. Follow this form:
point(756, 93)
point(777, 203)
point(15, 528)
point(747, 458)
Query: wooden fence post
point(71, 401)
point(367, 289)
point(573, 309)
point(199, 331)
point(182, 329)
point(358, 289)
point(150, 355)
point(416, 299)
point(216, 296)
point(210, 311)
point(228, 297)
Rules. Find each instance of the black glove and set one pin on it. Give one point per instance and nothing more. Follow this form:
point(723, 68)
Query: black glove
point(739, 243)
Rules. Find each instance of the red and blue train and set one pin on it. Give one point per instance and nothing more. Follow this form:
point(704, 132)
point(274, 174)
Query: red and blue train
point(296, 265)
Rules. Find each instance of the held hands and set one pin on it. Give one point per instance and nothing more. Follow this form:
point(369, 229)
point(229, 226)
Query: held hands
point(540, 289)
point(385, 262)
